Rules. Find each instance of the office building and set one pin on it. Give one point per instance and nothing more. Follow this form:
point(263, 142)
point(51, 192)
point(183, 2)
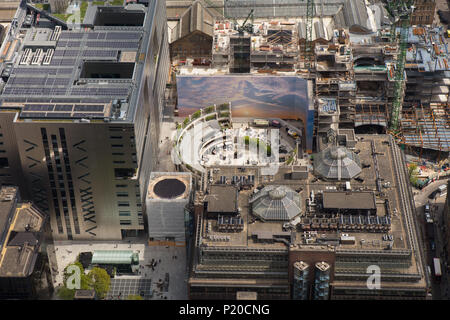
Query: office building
point(81, 111)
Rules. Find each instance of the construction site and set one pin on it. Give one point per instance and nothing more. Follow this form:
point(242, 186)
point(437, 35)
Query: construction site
point(381, 73)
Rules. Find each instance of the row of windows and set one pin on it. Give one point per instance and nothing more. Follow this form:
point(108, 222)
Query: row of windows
point(52, 179)
point(62, 135)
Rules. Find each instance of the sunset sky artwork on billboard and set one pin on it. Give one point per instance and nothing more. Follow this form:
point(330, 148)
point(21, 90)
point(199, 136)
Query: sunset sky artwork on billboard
point(251, 96)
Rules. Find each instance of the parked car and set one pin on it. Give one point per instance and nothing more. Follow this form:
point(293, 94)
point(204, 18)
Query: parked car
point(432, 195)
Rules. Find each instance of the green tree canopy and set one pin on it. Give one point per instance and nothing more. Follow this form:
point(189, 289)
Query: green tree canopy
point(412, 170)
point(134, 297)
point(66, 294)
point(101, 281)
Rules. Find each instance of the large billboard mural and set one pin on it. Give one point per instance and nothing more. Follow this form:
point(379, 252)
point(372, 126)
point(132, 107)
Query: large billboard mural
point(251, 96)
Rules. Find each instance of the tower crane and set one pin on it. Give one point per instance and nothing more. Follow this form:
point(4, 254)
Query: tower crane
point(401, 10)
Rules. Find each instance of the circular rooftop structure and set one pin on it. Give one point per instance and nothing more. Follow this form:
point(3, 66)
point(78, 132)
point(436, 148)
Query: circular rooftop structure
point(276, 203)
point(337, 163)
point(169, 188)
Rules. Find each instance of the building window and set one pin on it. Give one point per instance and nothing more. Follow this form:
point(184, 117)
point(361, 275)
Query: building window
point(125, 222)
point(123, 173)
point(122, 194)
point(4, 163)
point(123, 203)
point(124, 213)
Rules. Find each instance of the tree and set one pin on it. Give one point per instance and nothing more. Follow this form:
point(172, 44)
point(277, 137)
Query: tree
point(66, 294)
point(101, 281)
point(134, 297)
point(412, 170)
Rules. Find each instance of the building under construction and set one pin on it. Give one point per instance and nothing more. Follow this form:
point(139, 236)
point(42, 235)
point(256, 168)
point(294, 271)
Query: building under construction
point(355, 66)
point(298, 237)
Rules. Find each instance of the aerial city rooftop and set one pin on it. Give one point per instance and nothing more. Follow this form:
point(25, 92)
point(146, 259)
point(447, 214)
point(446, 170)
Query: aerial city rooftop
point(224, 149)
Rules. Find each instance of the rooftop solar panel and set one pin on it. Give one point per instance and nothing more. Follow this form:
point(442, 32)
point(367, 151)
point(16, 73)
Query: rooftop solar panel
point(27, 81)
point(38, 107)
point(59, 91)
point(93, 35)
point(63, 107)
point(66, 100)
point(71, 53)
point(46, 91)
point(89, 107)
point(122, 36)
point(73, 44)
point(55, 62)
point(100, 53)
point(65, 70)
point(32, 114)
point(62, 82)
point(68, 62)
point(59, 115)
point(88, 115)
point(113, 44)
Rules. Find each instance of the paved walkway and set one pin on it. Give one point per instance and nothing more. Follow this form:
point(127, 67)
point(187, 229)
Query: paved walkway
point(67, 253)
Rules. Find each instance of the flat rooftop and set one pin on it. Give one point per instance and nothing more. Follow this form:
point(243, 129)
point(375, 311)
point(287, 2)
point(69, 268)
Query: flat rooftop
point(363, 194)
point(349, 200)
point(7, 203)
point(18, 256)
point(222, 199)
point(51, 72)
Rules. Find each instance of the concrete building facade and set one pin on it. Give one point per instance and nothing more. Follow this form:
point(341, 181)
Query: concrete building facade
point(423, 13)
point(80, 141)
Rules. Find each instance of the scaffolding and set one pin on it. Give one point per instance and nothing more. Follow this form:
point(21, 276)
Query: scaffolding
point(427, 127)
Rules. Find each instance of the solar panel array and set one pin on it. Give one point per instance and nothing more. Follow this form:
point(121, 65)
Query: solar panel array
point(37, 71)
point(73, 44)
point(26, 81)
point(122, 36)
point(71, 35)
point(46, 110)
point(113, 44)
point(43, 115)
point(38, 107)
point(55, 81)
point(113, 92)
point(100, 53)
point(67, 37)
point(71, 53)
point(63, 62)
point(122, 288)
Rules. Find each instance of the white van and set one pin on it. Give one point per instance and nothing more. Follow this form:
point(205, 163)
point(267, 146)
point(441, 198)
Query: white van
point(442, 188)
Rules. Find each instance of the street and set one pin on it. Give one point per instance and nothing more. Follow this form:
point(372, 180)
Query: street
point(440, 291)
